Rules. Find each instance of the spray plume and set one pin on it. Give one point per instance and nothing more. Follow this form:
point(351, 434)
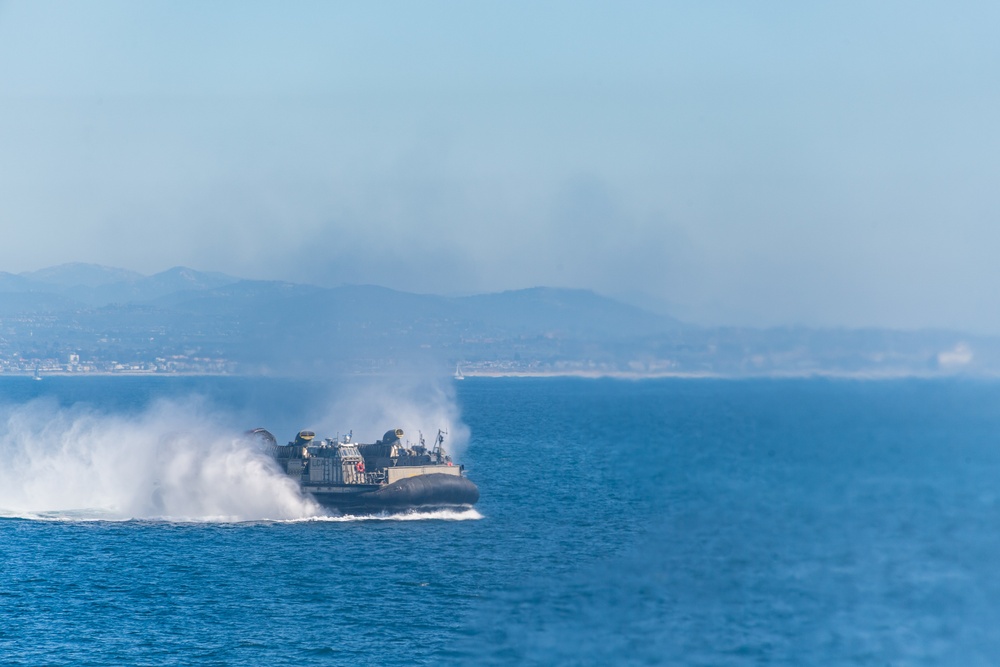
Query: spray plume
point(173, 461)
point(415, 403)
point(179, 460)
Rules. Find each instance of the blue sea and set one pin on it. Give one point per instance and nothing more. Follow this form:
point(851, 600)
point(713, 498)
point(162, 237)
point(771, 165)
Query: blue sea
point(659, 522)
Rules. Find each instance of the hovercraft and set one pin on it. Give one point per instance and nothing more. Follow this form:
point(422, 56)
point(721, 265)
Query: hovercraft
point(385, 476)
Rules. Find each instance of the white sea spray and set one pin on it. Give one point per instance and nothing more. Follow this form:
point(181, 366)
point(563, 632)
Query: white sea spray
point(175, 460)
point(418, 404)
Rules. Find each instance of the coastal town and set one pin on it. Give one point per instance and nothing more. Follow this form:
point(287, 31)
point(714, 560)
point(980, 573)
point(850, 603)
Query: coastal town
point(72, 364)
point(183, 322)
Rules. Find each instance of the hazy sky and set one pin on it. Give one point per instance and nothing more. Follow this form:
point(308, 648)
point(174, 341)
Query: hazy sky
point(738, 162)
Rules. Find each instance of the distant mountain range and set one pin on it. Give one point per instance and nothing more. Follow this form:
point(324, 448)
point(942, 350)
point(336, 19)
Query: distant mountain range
point(79, 286)
point(182, 319)
point(94, 285)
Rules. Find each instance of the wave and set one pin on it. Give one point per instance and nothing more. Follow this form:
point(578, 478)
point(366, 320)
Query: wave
point(416, 515)
point(107, 516)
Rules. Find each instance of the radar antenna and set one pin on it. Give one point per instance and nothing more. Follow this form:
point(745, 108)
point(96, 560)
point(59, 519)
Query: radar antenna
point(438, 450)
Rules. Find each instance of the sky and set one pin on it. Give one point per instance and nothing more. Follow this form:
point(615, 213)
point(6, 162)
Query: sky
point(755, 164)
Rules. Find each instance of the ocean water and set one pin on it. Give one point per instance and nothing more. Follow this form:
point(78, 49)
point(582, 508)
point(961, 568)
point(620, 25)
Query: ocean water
point(675, 522)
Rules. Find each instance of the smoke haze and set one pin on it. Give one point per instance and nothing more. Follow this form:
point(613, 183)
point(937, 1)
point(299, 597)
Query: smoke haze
point(823, 165)
point(370, 406)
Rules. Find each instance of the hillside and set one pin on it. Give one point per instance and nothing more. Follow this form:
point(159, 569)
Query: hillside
point(88, 318)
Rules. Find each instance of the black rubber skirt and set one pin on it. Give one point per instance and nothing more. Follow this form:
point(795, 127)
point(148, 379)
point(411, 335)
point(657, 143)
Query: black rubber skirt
point(434, 491)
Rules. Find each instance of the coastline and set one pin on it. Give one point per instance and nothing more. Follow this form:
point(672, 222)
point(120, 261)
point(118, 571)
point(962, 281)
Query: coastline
point(832, 374)
point(707, 375)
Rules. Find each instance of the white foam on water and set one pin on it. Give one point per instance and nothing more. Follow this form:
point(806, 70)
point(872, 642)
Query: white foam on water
point(469, 514)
